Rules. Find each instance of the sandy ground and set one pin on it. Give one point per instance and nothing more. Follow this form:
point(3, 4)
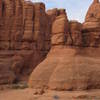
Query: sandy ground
point(28, 94)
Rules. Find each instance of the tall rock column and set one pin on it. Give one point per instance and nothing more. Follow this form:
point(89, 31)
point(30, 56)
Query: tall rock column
point(17, 27)
point(28, 25)
point(40, 24)
point(24, 44)
point(6, 22)
point(24, 37)
point(59, 28)
point(33, 41)
point(40, 77)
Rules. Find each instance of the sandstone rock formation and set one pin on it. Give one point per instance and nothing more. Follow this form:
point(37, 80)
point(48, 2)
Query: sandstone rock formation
point(73, 61)
point(59, 28)
point(29, 34)
point(91, 26)
point(35, 39)
point(24, 38)
point(75, 34)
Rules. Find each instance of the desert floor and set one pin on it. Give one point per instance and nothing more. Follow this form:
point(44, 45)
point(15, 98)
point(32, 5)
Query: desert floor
point(28, 94)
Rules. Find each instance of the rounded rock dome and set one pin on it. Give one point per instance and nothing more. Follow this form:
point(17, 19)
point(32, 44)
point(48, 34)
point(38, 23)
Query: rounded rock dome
point(93, 13)
point(92, 19)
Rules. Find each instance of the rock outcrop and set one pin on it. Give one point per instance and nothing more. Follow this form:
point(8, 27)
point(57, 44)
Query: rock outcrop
point(24, 38)
point(73, 61)
point(91, 26)
point(59, 28)
point(75, 34)
point(35, 40)
point(63, 54)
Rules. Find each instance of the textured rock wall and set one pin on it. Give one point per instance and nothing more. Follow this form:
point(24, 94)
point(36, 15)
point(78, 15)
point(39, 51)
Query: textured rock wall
point(59, 28)
point(74, 58)
point(91, 26)
point(33, 39)
point(28, 32)
point(75, 34)
point(41, 75)
point(24, 36)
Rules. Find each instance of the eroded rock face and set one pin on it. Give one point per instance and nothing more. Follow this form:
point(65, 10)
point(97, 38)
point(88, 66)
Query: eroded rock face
point(59, 28)
point(73, 61)
point(25, 32)
point(74, 34)
point(91, 26)
point(59, 36)
point(28, 32)
point(36, 37)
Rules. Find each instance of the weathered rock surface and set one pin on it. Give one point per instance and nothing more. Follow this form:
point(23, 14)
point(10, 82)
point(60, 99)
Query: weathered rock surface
point(73, 61)
point(75, 34)
point(91, 26)
point(59, 28)
point(28, 32)
point(68, 69)
point(24, 31)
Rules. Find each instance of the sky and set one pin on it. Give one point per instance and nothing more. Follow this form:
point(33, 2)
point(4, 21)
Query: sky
point(76, 9)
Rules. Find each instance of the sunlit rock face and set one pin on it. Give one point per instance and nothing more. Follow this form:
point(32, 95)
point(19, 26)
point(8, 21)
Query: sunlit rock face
point(61, 54)
point(74, 59)
point(91, 26)
point(24, 38)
